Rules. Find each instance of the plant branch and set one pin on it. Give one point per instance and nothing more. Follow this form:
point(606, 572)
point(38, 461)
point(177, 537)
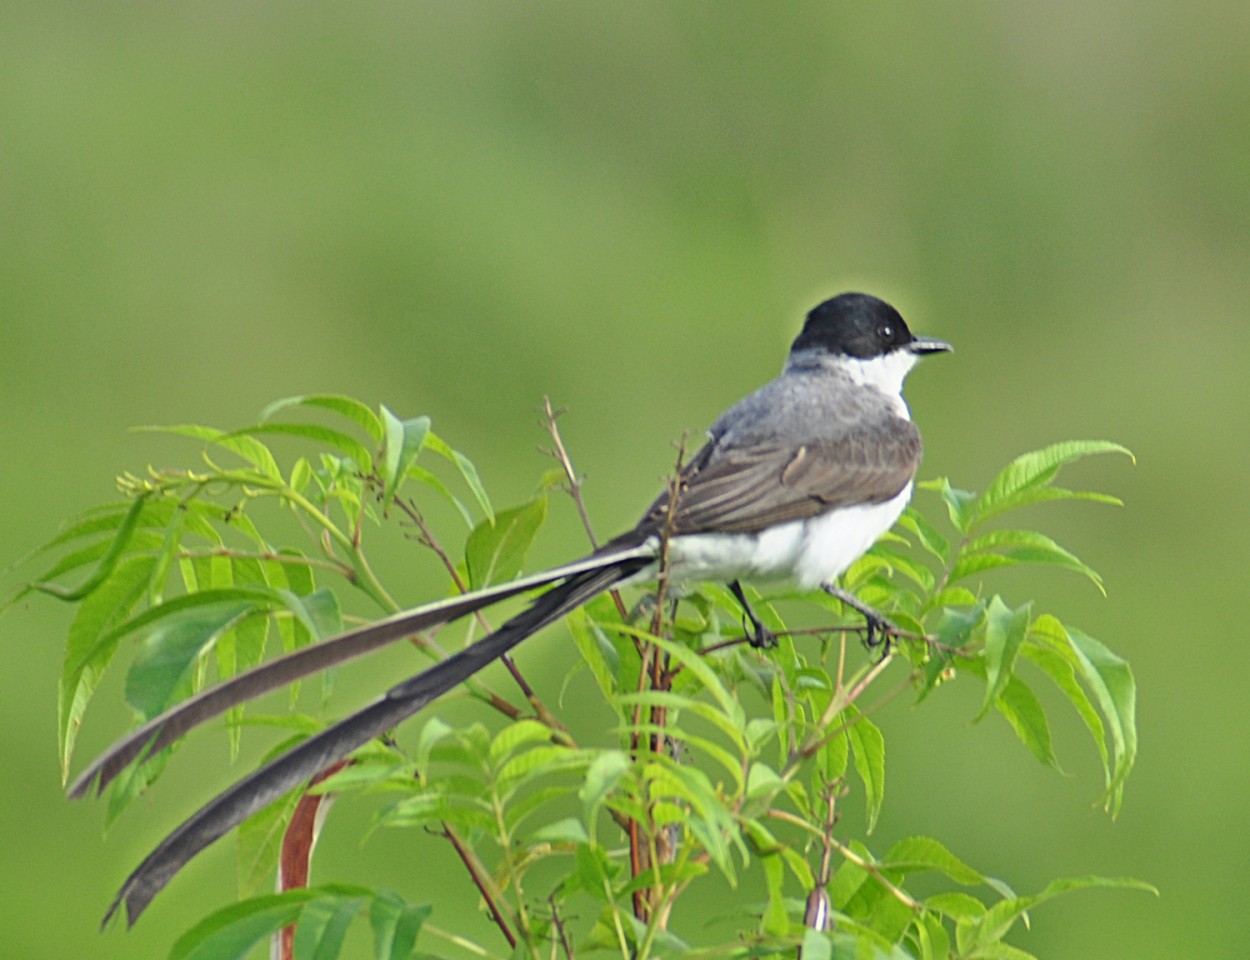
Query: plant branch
point(573, 484)
point(485, 887)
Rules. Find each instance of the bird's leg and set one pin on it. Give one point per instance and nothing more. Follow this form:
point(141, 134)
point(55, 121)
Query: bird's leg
point(759, 635)
point(877, 624)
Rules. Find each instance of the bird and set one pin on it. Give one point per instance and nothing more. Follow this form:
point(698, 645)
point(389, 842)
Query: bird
point(794, 483)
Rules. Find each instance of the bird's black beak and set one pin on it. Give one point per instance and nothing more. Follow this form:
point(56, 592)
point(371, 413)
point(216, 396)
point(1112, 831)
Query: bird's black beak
point(922, 345)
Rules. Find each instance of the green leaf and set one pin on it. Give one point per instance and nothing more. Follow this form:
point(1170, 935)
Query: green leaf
point(396, 925)
point(816, 945)
point(932, 541)
point(697, 665)
point(301, 475)
point(298, 580)
point(105, 518)
point(1113, 686)
point(421, 475)
point(955, 630)
point(896, 560)
point(348, 446)
point(913, 854)
point(960, 504)
point(956, 904)
point(170, 649)
point(432, 733)
point(404, 440)
point(763, 781)
point(107, 563)
point(247, 447)
point(1024, 712)
point(1005, 632)
point(932, 938)
point(835, 755)
point(868, 747)
point(776, 921)
point(1052, 653)
point(318, 611)
point(521, 733)
point(1004, 547)
point(232, 932)
point(466, 468)
point(348, 407)
point(1024, 480)
point(259, 843)
point(496, 550)
point(323, 926)
point(605, 772)
point(568, 830)
point(999, 919)
point(595, 650)
point(85, 657)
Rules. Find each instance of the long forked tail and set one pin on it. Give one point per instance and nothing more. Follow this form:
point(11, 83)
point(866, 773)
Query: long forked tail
point(292, 768)
point(161, 731)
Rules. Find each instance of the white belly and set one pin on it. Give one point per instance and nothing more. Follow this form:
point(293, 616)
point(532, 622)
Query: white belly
point(809, 552)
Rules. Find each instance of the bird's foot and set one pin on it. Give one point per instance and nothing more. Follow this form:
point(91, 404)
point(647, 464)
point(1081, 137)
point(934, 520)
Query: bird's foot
point(879, 630)
point(758, 635)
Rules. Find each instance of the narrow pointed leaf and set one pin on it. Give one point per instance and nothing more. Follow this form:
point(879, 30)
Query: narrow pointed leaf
point(495, 551)
point(467, 471)
point(914, 854)
point(1005, 632)
point(421, 475)
point(85, 657)
point(169, 651)
point(336, 440)
point(108, 562)
point(245, 446)
point(956, 629)
point(259, 843)
point(323, 926)
point(928, 535)
point(595, 651)
point(318, 611)
point(348, 407)
point(1020, 546)
point(396, 925)
point(999, 919)
point(1024, 712)
point(1052, 653)
point(960, 504)
point(1014, 486)
point(1113, 686)
point(868, 748)
point(232, 932)
point(404, 440)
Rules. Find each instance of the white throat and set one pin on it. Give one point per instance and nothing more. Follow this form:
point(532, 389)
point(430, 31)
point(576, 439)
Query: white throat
point(885, 374)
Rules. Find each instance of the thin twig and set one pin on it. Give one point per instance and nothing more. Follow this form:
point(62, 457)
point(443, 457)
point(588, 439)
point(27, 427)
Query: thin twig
point(654, 664)
point(479, 881)
point(573, 485)
point(556, 922)
point(428, 539)
point(847, 854)
point(561, 455)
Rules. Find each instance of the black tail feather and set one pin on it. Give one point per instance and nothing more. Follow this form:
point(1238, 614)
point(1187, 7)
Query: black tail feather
point(213, 701)
point(268, 783)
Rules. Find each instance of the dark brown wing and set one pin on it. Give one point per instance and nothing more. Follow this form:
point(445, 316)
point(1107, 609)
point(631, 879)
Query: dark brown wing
point(745, 489)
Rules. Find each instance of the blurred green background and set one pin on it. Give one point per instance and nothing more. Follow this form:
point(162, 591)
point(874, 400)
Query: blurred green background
point(455, 209)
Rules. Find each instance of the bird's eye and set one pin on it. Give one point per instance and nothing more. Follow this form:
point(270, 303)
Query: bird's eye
point(886, 331)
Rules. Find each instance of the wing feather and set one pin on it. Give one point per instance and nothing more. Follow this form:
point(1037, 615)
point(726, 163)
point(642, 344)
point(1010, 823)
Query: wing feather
point(743, 489)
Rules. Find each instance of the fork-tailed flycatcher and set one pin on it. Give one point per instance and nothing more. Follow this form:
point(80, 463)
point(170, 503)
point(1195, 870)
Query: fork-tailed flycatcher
point(796, 481)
